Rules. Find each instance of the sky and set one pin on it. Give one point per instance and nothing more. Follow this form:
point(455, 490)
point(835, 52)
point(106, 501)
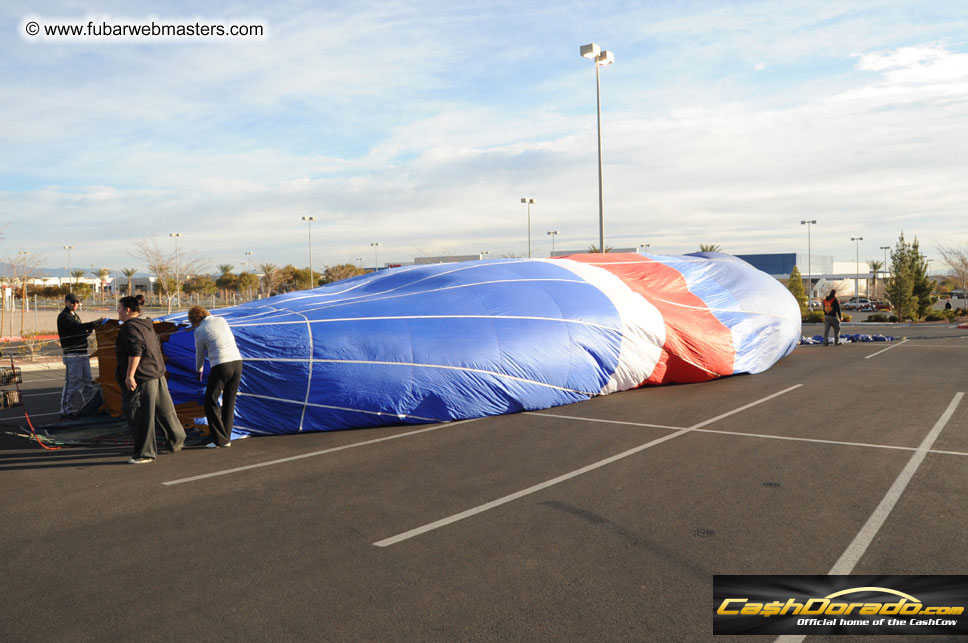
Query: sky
point(421, 125)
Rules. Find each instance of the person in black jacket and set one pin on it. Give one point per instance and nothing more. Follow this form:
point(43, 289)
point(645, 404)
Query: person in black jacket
point(145, 400)
point(79, 387)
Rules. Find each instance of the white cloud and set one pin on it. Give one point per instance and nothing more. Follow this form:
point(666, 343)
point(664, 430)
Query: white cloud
point(424, 128)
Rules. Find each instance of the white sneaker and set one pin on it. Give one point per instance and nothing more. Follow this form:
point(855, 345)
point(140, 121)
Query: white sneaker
point(140, 460)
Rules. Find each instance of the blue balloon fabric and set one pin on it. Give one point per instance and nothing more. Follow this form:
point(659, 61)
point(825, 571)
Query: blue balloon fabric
point(433, 343)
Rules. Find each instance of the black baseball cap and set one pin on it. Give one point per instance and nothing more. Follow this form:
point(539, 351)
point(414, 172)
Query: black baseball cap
point(71, 298)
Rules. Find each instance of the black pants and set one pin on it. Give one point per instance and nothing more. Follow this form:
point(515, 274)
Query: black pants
point(145, 407)
point(223, 380)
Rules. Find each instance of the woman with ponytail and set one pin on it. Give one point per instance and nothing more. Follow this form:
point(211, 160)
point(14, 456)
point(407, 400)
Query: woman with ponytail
point(145, 400)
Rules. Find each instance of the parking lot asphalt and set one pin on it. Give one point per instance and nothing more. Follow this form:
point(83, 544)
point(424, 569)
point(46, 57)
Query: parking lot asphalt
point(604, 520)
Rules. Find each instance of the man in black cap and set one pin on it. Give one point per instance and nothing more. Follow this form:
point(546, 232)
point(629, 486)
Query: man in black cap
point(79, 387)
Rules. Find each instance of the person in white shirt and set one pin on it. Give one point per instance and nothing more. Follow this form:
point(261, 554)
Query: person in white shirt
point(213, 337)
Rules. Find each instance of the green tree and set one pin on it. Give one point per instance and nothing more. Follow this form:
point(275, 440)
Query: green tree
point(923, 284)
point(247, 283)
point(710, 247)
point(102, 275)
point(129, 273)
point(287, 281)
point(900, 286)
point(301, 279)
point(795, 286)
point(271, 276)
point(200, 285)
point(341, 271)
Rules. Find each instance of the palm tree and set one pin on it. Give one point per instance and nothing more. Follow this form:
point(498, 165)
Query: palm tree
point(270, 275)
point(129, 273)
point(102, 275)
point(710, 247)
point(224, 278)
point(77, 274)
point(593, 248)
point(875, 266)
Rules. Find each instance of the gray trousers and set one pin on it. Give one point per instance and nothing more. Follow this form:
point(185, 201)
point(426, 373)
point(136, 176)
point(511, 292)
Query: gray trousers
point(146, 407)
point(78, 384)
point(831, 321)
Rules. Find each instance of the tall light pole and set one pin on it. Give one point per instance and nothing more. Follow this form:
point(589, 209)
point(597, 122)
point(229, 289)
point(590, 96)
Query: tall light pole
point(552, 234)
point(601, 58)
point(70, 277)
point(484, 253)
point(644, 246)
point(376, 261)
point(309, 230)
point(885, 249)
point(809, 261)
point(530, 202)
point(857, 241)
point(177, 285)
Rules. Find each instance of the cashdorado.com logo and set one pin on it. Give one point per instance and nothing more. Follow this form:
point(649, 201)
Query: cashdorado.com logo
point(840, 605)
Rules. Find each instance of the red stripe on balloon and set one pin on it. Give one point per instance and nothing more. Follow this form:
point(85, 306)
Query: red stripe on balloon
point(698, 346)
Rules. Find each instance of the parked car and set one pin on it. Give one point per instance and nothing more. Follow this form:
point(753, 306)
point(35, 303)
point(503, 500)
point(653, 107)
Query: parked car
point(882, 305)
point(858, 303)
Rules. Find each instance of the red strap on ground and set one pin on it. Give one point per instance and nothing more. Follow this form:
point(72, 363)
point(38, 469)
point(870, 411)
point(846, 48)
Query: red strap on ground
point(33, 432)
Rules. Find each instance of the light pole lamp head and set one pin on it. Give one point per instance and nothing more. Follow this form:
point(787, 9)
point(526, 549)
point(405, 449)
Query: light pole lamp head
point(309, 218)
point(553, 232)
point(814, 221)
point(526, 200)
point(605, 58)
point(591, 50)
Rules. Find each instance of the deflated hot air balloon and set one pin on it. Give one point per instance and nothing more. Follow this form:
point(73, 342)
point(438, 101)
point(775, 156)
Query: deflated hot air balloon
point(433, 343)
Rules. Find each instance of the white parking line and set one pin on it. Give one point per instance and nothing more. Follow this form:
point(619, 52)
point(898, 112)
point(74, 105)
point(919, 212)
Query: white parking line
point(856, 549)
point(33, 415)
point(436, 427)
point(903, 341)
point(745, 434)
point(567, 476)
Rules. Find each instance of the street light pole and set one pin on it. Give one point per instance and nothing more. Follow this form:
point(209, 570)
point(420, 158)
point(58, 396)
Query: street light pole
point(593, 52)
point(530, 202)
point(809, 261)
point(177, 285)
point(552, 234)
point(309, 230)
point(376, 260)
point(857, 241)
point(885, 249)
point(70, 277)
